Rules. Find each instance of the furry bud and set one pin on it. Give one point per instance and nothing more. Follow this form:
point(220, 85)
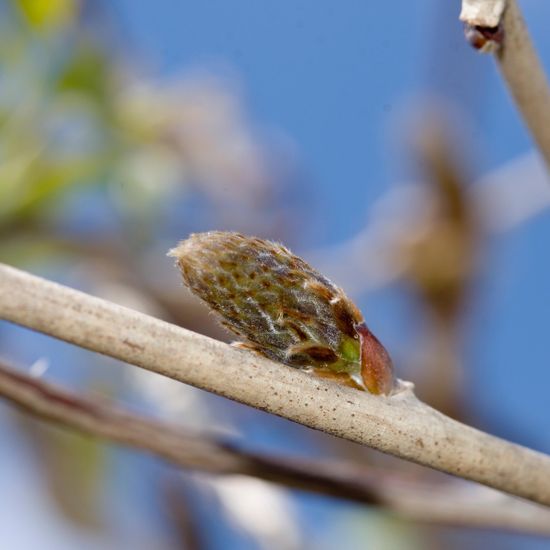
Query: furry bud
point(283, 308)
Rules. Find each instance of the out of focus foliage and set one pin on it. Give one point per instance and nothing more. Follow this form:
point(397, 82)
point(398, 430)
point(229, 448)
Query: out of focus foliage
point(54, 104)
point(74, 114)
point(96, 161)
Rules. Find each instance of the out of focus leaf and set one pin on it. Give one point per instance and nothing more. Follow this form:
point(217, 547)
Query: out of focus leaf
point(42, 14)
point(88, 71)
point(43, 186)
point(73, 467)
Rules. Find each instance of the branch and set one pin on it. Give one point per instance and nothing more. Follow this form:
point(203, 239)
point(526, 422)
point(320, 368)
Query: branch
point(482, 508)
point(400, 425)
point(518, 62)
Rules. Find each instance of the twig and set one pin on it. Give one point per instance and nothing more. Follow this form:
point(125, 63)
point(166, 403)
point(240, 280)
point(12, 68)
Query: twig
point(518, 62)
point(400, 425)
point(450, 505)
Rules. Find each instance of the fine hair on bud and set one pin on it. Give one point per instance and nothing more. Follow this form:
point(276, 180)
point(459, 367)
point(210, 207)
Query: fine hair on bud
point(283, 309)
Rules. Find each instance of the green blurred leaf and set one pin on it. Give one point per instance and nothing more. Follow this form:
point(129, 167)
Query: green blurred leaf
point(88, 71)
point(43, 14)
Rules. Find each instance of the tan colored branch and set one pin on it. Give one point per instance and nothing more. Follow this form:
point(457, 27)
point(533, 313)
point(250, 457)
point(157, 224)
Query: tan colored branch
point(447, 504)
point(518, 62)
point(399, 425)
point(522, 70)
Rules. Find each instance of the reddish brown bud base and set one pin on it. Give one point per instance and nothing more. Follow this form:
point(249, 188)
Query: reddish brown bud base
point(283, 308)
point(484, 39)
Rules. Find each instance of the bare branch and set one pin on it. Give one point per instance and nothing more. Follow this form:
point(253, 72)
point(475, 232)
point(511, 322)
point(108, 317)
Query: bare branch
point(523, 72)
point(400, 424)
point(448, 504)
point(518, 62)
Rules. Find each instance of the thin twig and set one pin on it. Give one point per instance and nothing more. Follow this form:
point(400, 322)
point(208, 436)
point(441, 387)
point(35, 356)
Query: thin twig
point(523, 72)
point(426, 502)
point(518, 62)
point(400, 425)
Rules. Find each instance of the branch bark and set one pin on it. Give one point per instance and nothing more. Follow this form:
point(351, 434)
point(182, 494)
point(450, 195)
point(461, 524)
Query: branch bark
point(400, 425)
point(523, 72)
point(446, 504)
point(518, 62)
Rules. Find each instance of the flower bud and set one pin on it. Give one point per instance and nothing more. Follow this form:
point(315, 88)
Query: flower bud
point(283, 308)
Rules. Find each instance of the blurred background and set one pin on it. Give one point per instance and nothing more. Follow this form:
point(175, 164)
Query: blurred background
point(369, 138)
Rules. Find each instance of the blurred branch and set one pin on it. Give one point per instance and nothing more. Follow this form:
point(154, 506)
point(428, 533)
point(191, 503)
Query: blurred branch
point(400, 425)
point(518, 61)
point(437, 256)
point(506, 197)
point(474, 507)
point(182, 512)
